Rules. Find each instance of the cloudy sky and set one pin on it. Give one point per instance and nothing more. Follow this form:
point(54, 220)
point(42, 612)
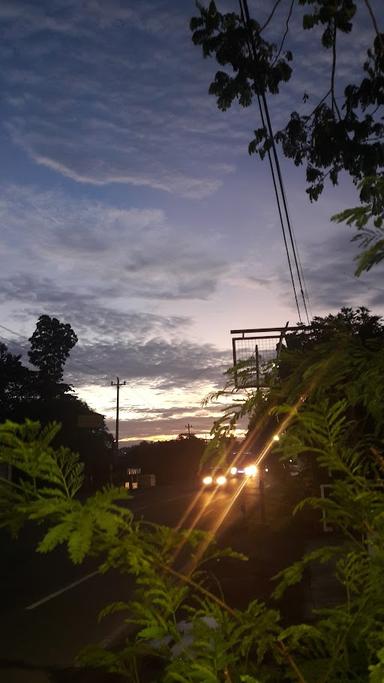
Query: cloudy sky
point(129, 206)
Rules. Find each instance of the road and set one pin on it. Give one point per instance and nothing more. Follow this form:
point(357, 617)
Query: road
point(49, 608)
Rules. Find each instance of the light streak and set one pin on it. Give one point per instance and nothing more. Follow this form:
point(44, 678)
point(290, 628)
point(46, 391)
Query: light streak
point(245, 446)
point(195, 521)
point(194, 561)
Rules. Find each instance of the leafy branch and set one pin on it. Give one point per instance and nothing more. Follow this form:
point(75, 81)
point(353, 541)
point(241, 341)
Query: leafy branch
point(369, 221)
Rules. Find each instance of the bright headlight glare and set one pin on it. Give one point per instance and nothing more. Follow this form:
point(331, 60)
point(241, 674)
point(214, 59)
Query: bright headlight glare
point(233, 470)
point(220, 481)
point(250, 470)
point(207, 480)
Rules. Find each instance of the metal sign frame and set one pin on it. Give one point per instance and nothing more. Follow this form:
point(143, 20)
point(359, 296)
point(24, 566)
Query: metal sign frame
point(254, 335)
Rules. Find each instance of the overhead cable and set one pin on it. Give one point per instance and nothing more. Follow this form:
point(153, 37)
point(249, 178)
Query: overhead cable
point(277, 178)
point(73, 361)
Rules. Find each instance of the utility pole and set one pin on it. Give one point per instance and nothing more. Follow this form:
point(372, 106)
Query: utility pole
point(117, 384)
point(189, 427)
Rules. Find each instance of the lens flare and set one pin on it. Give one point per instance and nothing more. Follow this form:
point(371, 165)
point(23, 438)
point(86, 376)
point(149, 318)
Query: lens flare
point(193, 562)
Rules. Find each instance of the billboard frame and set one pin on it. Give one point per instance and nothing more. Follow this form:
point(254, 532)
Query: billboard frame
point(255, 334)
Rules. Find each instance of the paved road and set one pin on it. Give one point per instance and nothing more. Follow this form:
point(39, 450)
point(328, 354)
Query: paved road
point(49, 608)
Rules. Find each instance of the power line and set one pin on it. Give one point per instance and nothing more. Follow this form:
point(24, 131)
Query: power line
point(282, 189)
point(22, 336)
point(73, 361)
point(15, 343)
point(244, 20)
point(276, 170)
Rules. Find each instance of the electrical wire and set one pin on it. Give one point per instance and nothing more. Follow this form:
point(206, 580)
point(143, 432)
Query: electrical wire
point(275, 188)
point(282, 189)
point(277, 183)
point(22, 336)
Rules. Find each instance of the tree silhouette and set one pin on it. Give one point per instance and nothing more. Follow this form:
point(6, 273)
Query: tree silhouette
point(42, 396)
point(14, 382)
point(343, 127)
point(51, 343)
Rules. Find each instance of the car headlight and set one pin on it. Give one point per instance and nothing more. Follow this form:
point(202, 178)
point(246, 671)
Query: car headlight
point(207, 481)
point(233, 470)
point(220, 481)
point(250, 470)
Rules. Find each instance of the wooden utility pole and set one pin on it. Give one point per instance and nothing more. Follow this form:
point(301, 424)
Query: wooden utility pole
point(189, 427)
point(117, 384)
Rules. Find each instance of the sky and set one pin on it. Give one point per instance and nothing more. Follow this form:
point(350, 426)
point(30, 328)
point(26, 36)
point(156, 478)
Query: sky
point(130, 208)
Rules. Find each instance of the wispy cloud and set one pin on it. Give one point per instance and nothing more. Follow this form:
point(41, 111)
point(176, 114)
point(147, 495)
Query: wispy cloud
point(91, 319)
point(136, 214)
point(126, 119)
point(329, 274)
point(106, 100)
point(333, 282)
point(65, 157)
point(168, 364)
point(138, 253)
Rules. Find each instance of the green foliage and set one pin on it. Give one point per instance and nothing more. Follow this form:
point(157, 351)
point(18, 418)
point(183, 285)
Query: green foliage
point(40, 396)
point(326, 391)
point(174, 618)
point(343, 131)
point(328, 399)
point(44, 487)
point(377, 670)
point(215, 638)
point(349, 636)
point(369, 221)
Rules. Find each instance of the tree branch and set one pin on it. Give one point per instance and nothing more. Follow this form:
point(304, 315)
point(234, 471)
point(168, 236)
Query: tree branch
point(234, 614)
point(319, 103)
point(285, 652)
point(285, 32)
point(334, 103)
point(375, 24)
point(275, 6)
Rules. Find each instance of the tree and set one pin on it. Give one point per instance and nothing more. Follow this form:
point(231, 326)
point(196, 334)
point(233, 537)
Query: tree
point(357, 324)
point(368, 218)
point(44, 397)
point(51, 343)
point(14, 382)
point(334, 356)
point(337, 358)
point(93, 444)
point(343, 131)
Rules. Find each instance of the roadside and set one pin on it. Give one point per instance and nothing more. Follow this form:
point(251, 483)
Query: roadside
point(270, 547)
point(40, 644)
